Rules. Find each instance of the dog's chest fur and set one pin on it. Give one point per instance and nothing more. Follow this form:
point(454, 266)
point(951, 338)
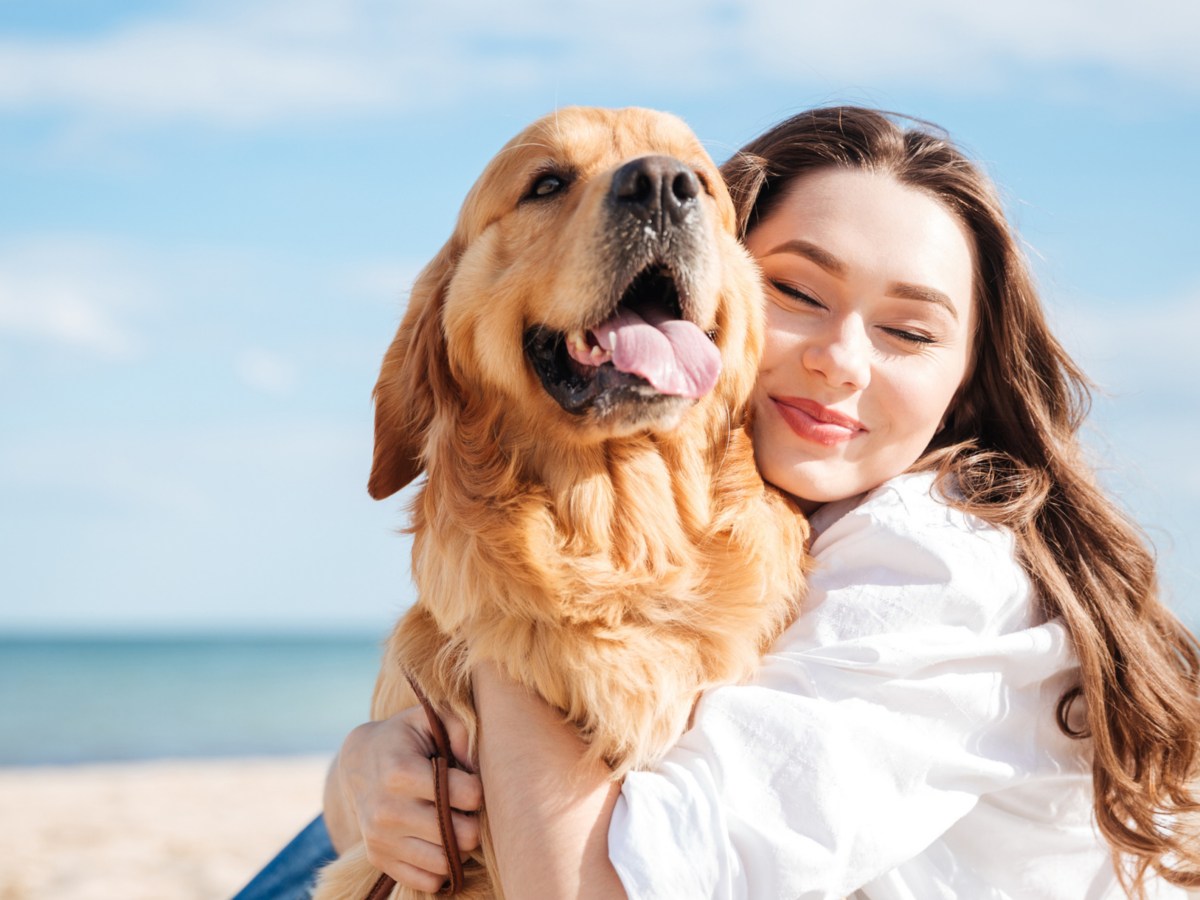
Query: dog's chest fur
point(616, 582)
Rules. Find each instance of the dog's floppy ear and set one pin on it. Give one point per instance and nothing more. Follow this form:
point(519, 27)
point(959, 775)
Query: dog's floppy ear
point(415, 374)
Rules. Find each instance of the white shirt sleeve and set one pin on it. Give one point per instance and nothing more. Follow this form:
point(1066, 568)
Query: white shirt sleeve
point(914, 682)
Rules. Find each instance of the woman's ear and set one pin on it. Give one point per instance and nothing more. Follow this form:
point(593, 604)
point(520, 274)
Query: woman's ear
point(415, 376)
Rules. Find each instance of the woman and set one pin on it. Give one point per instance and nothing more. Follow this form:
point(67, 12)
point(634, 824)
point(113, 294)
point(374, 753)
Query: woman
point(983, 668)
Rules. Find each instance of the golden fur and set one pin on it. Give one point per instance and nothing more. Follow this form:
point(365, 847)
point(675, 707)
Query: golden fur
point(616, 561)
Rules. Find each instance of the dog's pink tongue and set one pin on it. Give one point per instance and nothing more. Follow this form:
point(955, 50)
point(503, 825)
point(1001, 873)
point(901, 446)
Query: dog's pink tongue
point(672, 354)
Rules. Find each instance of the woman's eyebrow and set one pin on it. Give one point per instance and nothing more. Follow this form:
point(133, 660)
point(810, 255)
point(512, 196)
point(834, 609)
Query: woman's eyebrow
point(819, 255)
point(920, 292)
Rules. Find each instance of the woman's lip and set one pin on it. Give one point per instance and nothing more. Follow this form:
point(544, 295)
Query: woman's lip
point(818, 423)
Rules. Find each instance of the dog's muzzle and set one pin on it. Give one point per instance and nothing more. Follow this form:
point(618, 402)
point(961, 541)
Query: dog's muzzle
point(645, 354)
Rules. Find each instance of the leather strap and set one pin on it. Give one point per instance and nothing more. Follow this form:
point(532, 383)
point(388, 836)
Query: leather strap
point(442, 761)
point(382, 889)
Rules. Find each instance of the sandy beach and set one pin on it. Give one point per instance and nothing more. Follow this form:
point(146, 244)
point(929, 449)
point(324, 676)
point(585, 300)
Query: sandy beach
point(170, 830)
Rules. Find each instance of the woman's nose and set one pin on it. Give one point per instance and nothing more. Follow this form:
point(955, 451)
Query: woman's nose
point(841, 353)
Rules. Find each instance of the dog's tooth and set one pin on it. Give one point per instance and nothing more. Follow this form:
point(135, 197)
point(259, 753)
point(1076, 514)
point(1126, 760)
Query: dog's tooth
point(577, 341)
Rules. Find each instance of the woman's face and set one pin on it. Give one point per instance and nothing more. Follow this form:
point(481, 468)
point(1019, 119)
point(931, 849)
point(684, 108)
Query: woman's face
point(869, 315)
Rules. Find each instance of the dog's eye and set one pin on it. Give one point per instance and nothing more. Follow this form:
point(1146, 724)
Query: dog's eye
point(546, 185)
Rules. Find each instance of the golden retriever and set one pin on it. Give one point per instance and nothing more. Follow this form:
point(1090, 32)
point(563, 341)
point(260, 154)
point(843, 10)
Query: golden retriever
point(572, 376)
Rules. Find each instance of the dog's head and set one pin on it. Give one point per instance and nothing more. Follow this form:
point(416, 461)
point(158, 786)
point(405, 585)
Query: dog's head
point(593, 285)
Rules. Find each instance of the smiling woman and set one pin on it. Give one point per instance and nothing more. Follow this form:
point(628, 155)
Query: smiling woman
point(870, 318)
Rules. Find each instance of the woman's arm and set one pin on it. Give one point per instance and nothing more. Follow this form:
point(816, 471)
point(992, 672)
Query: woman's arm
point(548, 810)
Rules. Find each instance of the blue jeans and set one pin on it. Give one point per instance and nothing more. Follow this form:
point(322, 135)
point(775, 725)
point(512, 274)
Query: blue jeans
point(291, 874)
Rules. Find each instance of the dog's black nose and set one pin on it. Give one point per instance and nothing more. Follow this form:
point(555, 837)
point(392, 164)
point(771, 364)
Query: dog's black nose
point(653, 186)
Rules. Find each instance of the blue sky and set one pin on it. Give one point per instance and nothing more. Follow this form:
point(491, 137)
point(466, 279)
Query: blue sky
point(210, 213)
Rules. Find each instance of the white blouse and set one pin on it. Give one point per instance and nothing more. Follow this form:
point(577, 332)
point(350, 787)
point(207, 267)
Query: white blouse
point(899, 740)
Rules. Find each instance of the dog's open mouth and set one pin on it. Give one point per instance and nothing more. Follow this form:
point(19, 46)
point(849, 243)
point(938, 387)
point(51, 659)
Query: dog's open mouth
point(645, 350)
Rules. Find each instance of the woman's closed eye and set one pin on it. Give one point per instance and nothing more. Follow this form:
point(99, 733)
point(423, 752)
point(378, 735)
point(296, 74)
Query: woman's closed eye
point(796, 294)
point(910, 336)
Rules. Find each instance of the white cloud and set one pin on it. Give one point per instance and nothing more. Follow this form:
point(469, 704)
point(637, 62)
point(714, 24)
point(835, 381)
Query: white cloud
point(76, 293)
point(265, 371)
point(929, 41)
point(270, 60)
point(202, 70)
point(175, 309)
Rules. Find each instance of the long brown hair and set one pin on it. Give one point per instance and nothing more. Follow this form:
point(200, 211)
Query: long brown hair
point(1011, 448)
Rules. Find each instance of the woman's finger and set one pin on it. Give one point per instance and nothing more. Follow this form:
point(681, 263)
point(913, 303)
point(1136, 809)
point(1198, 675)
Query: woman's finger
point(414, 877)
point(390, 820)
point(460, 744)
point(423, 855)
point(466, 790)
point(467, 832)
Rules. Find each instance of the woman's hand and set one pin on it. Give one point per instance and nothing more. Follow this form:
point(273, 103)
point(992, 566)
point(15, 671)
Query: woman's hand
point(380, 790)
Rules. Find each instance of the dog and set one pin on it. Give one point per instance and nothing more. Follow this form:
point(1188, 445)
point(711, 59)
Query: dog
point(572, 376)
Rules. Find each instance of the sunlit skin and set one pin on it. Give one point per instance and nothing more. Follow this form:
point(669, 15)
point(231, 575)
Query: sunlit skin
point(870, 313)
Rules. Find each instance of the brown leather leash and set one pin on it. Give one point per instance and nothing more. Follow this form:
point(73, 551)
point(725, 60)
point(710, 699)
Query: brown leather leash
point(442, 760)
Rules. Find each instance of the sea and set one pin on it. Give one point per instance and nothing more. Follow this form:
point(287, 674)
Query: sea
point(82, 699)
point(66, 700)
